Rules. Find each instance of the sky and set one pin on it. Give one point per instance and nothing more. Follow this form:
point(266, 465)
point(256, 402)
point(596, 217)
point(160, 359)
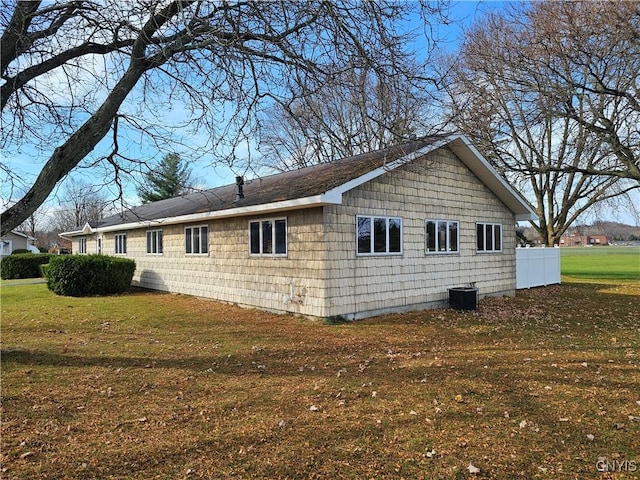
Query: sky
point(27, 164)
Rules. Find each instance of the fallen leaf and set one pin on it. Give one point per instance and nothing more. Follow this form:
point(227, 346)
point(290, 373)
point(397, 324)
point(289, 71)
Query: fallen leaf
point(314, 408)
point(473, 469)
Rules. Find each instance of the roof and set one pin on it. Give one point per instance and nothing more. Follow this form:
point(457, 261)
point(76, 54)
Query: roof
point(20, 234)
point(317, 185)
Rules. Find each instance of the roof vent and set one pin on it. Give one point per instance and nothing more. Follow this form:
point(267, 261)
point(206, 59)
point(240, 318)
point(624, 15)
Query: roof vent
point(239, 184)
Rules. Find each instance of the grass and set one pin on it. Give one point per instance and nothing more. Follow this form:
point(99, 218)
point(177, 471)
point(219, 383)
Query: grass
point(149, 385)
point(620, 263)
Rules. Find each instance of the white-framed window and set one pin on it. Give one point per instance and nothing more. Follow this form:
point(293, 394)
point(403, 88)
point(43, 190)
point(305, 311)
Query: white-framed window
point(154, 242)
point(196, 240)
point(488, 237)
point(120, 240)
point(441, 236)
point(82, 245)
point(378, 235)
point(268, 237)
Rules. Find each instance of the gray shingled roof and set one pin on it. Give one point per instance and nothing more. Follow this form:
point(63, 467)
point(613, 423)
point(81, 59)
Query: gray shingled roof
point(302, 183)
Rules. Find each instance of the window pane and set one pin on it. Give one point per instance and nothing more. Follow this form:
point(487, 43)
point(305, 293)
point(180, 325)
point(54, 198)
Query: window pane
point(124, 244)
point(442, 236)
point(453, 236)
point(489, 237)
point(187, 240)
point(497, 237)
point(254, 230)
point(431, 236)
point(480, 237)
point(380, 235)
point(364, 235)
point(395, 235)
point(204, 240)
point(281, 236)
point(159, 249)
point(148, 242)
point(196, 240)
point(267, 237)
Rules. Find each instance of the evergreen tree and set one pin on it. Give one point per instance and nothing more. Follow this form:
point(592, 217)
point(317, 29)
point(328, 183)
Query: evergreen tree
point(171, 178)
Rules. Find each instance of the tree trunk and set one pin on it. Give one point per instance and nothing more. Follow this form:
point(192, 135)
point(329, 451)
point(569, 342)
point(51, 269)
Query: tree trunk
point(68, 155)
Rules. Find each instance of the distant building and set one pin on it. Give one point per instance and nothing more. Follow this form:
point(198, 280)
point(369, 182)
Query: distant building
point(16, 241)
point(575, 240)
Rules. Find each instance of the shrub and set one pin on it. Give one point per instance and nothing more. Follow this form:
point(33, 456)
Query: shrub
point(84, 275)
point(23, 265)
point(19, 251)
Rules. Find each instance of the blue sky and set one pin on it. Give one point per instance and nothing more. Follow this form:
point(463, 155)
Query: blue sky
point(27, 164)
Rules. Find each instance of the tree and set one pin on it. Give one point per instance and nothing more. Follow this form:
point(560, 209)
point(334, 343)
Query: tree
point(504, 95)
point(355, 112)
point(76, 73)
point(169, 179)
point(80, 203)
point(596, 63)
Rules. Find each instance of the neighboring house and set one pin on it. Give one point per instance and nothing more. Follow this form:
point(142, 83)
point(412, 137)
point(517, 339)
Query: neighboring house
point(574, 240)
point(15, 241)
point(381, 232)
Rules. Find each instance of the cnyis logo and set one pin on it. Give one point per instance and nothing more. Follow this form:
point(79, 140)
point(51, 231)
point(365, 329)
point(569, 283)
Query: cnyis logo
point(604, 465)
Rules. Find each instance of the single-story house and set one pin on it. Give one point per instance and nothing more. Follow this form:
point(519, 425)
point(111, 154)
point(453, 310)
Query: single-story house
point(15, 240)
point(386, 231)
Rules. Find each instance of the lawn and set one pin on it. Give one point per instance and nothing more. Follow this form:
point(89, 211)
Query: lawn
point(150, 385)
point(621, 263)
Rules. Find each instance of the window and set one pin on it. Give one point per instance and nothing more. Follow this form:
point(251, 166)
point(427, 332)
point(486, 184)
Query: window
point(120, 243)
point(268, 237)
point(378, 235)
point(489, 237)
point(441, 236)
point(154, 242)
point(82, 245)
point(196, 240)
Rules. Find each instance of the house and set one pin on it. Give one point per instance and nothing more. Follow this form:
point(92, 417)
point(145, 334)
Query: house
point(16, 241)
point(575, 240)
point(380, 232)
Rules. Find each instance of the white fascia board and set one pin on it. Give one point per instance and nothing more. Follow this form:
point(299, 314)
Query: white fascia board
point(273, 207)
point(356, 182)
point(473, 159)
point(86, 230)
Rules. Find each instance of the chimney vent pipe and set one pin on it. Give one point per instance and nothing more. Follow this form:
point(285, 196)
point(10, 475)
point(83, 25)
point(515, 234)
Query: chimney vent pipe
point(239, 184)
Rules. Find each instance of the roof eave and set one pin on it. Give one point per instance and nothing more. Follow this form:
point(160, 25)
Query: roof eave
point(267, 208)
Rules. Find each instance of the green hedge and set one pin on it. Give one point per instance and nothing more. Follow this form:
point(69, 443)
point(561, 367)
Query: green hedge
point(85, 275)
point(23, 265)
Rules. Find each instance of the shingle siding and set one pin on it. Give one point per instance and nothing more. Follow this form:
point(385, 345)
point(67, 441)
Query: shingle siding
point(436, 187)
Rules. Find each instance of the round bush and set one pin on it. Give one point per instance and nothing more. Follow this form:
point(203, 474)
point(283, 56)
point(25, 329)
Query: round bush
point(85, 275)
point(23, 265)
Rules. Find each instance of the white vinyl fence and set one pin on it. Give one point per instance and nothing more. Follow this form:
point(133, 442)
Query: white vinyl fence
point(536, 267)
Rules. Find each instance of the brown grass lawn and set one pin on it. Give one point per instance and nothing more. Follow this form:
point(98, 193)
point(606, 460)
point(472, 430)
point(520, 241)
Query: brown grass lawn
point(148, 385)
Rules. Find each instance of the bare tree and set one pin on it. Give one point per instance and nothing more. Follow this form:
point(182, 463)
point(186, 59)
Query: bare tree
point(504, 95)
point(358, 110)
point(79, 204)
point(76, 72)
point(594, 68)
